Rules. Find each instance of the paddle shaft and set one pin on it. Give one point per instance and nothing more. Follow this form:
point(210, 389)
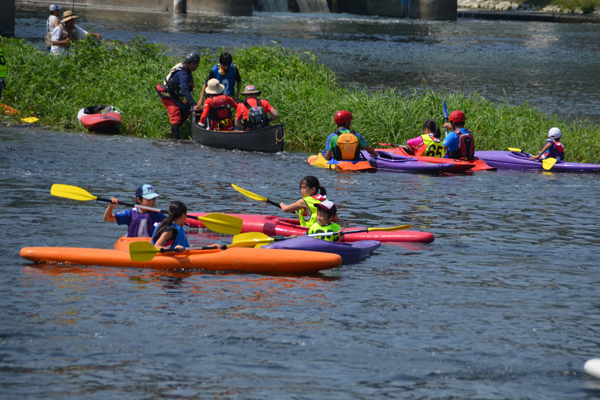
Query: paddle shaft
point(139, 206)
point(445, 116)
point(222, 247)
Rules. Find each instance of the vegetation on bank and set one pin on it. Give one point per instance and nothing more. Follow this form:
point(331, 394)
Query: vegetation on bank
point(586, 6)
point(305, 93)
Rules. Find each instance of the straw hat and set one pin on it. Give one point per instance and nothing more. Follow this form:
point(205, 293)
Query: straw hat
point(214, 86)
point(67, 16)
point(251, 90)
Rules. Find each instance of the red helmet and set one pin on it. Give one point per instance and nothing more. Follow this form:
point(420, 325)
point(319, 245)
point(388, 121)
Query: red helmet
point(457, 116)
point(341, 117)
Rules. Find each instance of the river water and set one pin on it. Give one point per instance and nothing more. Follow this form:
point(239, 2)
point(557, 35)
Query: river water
point(504, 303)
point(554, 67)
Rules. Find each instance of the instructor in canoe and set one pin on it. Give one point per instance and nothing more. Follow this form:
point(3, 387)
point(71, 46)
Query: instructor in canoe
point(176, 92)
point(345, 144)
point(252, 112)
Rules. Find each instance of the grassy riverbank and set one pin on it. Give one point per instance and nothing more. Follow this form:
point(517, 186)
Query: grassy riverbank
point(305, 93)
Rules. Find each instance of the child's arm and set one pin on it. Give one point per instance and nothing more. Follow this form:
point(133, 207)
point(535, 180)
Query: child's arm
point(299, 205)
point(108, 214)
point(164, 238)
point(546, 147)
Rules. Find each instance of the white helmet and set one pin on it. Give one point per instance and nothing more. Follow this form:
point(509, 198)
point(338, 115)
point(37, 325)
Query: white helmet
point(554, 133)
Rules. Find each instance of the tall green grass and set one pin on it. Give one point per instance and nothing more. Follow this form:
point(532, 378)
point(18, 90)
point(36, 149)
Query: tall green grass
point(305, 93)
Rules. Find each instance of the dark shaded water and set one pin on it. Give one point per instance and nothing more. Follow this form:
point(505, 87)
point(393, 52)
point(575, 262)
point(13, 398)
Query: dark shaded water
point(504, 304)
point(554, 67)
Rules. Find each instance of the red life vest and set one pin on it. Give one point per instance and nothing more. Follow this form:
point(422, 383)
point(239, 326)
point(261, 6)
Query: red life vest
point(220, 112)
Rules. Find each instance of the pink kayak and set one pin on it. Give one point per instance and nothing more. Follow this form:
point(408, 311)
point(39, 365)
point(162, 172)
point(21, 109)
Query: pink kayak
point(273, 226)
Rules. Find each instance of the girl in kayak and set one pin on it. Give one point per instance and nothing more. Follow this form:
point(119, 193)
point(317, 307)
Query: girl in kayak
point(553, 148)
point(170, 233)
point(312, 193)
point(326, 213)
point(140, 222)
point(429, 143)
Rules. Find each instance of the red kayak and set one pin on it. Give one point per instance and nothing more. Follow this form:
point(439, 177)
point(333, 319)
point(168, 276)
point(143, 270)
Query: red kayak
point(273, 226)
point(460, 165)
point(98, 117)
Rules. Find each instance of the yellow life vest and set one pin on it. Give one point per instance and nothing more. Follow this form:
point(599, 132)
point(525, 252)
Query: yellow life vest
point(310, 217)
point(432, 146)
point(332, 227)
point(3, 67)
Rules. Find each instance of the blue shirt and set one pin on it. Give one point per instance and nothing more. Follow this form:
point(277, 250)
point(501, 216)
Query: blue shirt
point(451, 141)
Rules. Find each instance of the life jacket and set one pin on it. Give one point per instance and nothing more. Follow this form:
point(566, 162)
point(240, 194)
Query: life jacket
point(556, 151)
point(142, 224)
point(227, 80)
point(220, 112)
point(347, 147)
point(64, 33)
point(466, 145)
point(431, 147)
point(332, 227)
point(169, 88)
point(257, 117)
point(310, 217)
point(3, 67)
point(178, 237)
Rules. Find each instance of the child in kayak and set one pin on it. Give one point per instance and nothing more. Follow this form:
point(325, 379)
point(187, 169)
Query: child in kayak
point(459, 143)
point(312, 193)
point(345, 144)
point(429, 143)
point(140, 222)
point(553, 148)
point(326, 212)
point(170, 233)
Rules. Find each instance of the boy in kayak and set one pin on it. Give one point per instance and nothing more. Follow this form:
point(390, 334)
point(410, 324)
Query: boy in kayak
point(140, 222)
point(170, 233)
point(553, 148)
point(345, 144)
point(217, 108)
point(429, 143)
point(326, 212)
point(312, 193)
point(459, 143)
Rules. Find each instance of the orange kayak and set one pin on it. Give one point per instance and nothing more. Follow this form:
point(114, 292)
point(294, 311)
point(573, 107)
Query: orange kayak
point(233, 259)
point(460, 165)
point(342, 166)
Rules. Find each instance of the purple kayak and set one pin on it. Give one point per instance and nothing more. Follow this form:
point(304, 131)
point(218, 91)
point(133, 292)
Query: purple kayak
point(349, 251)
point(397, 163)
point(516, 160)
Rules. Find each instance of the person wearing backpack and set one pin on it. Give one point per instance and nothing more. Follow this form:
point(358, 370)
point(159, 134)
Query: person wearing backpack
point(252, 113)
point(459, 143)
point(216, 114)
point(345, 144)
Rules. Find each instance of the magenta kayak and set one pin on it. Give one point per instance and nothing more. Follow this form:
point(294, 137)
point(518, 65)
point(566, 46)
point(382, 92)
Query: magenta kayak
point(272, 225)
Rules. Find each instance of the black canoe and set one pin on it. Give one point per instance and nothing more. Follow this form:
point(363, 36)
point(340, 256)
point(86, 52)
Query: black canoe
point(266, 140)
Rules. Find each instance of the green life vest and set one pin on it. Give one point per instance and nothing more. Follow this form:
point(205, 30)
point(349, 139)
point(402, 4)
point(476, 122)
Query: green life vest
point(2, 65)
point(310, 217)
point(332, 227)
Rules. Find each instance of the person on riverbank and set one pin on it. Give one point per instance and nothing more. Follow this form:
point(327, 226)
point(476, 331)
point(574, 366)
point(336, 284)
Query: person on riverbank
point(429, 143)
point(176, 92)
point(3, 71)
point(326, 213)
point(67, 32)
point(226, 72)
point(312, 193)
point(140, 222)
point(170, 233)
point(553, 147)
point(345, 144)
point(217, 108)
point(459, 143)
point(52, 23)
point(252, 112)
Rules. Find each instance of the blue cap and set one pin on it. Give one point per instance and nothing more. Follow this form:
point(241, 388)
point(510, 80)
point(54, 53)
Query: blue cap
point(146, 191)
point(55, 7)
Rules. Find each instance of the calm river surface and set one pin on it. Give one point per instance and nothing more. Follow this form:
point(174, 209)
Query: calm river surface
point(504, 303)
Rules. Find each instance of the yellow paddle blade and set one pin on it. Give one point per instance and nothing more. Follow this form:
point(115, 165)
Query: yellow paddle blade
point(548, 163)
point(248, 194)
point(142, 251)
point(71, 192)
point(252, 243)
point(391, 228)
point(243, 237)
point(515, 149)
point(222, 223)
point(30, 120)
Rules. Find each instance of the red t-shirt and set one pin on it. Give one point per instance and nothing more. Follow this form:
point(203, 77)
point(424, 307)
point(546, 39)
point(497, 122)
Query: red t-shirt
point(242, 111)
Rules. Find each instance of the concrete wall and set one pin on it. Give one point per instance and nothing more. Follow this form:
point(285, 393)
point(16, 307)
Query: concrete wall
point(228, 7)
point(7, 17)
point(423, 9)
point(433, 9)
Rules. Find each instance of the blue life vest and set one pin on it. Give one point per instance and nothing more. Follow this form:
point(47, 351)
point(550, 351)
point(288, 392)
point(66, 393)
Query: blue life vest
point(227, 80)
point(179, 237)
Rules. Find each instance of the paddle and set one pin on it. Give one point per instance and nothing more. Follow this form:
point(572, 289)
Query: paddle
point(145, 251)
point(254, 196)
point(547, 163)
point(445, 116)
point(252, 239)
point(221, 223)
